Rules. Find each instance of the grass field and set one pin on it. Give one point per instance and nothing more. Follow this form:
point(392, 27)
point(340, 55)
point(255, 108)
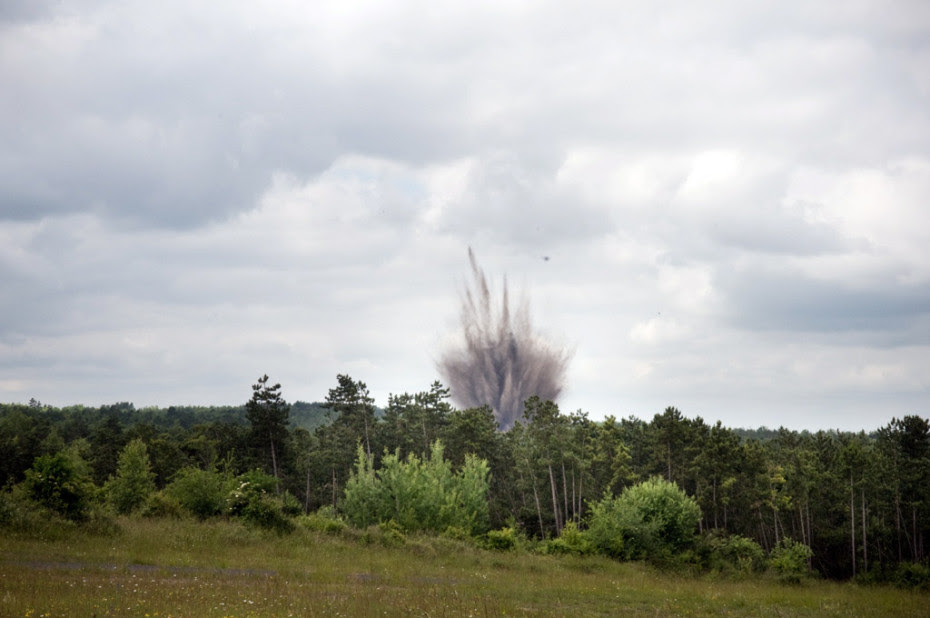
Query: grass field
point(185, 568)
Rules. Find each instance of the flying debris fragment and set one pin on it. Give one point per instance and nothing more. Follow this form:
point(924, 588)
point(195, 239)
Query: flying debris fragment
point(503, 362)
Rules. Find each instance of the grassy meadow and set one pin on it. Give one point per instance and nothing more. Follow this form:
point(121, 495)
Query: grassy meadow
point(187, 568)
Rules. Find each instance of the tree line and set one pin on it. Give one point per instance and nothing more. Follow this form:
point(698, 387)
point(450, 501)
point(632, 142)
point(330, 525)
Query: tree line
point(860, 502)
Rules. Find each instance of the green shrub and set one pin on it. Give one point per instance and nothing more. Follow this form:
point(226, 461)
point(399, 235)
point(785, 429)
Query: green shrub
point(418, 495)
point(456, 533)
point(203, 493)
point(912, 575)
point(732, 554)
point(290, 505)
point(265, 512)
point(162, 504)
point(134, 481)
point(100, 522)
point(252, 499)
point(19, 513)
point(605, 530)
point(387, 534)
point(247, 487)
point(570, 541)
point(504, 539)
point(789, 559)
point(324, 520)
point(58, 483)
point(652, 520)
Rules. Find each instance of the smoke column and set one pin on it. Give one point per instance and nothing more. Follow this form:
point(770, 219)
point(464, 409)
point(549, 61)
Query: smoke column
point(503, 362)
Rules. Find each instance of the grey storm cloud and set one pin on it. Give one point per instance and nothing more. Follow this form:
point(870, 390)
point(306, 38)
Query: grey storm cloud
point(191, 196)
point(794, 302)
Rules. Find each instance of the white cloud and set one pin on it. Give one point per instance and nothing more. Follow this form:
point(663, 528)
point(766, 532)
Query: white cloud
point(191, 197)
point(884, 209)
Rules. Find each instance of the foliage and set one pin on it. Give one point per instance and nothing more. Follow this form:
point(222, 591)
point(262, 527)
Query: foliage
point(252, 498)
point(651, 520)
point(732, 554)
point(504, 539)
point(20, 514)
point(570, 541)
point(134, 481)
point(386, 534)
point(912, 575)
point(860, 502)
point(790, 560)
point(202, 493)
point(59, 482)
point(324, 520)
point(268, 412)
point(418, 494)
point(163, 504)
point(605, 529)
point(266, 512)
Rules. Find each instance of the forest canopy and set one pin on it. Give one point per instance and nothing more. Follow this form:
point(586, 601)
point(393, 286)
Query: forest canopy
point(858, 502)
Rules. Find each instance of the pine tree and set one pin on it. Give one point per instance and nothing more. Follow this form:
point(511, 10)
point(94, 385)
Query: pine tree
point(268, 413)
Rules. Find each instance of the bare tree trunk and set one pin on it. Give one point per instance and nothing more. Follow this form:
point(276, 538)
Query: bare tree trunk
point(565, 491)
point(765, 538)
point(522, 484)
point(865, 544)
point(852, 523)
point(274, 466)
point(897, 525)
point(334, 486)
point(801, 521)
point(574, 503)
point(555, 502)
point(810, 532)
point(580, 494)
point(775, 523)
point(668, 448)
point(425, 437)
point(538, 507)
point(307, 493)
point(367, 442)
point(914, 553)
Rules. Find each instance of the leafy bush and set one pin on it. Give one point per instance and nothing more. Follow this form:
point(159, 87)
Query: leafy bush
point(732, 554)
point(653, 520)
point(387, 534)
point(912, 575)
point(571, 541)
point(100, 522)
point(19, 513)
point(789, 559)
point(290, 505)
point(252, 498)
point(203, 493)
point(324, 520)
point(247, 487)
point(418, 495)
point(605, 530)
point(162, 504)
point(59, 483)
point(504, 539)
point(456, 533)
point(134, 481)
point(265, 512)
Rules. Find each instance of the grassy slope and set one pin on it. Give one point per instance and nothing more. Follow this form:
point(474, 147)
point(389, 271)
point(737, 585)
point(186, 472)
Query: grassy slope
point(167, 568)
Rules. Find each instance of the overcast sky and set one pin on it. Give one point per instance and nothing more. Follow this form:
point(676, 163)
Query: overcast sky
point(734, 198)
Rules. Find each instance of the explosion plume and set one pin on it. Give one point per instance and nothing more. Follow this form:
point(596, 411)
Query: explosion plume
point(503, 362)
